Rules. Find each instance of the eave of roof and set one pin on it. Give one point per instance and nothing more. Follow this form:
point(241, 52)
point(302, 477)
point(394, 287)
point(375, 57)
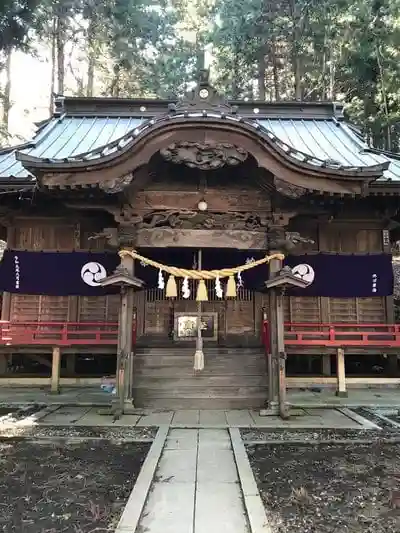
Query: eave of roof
point(105, 154)
point(315, 131)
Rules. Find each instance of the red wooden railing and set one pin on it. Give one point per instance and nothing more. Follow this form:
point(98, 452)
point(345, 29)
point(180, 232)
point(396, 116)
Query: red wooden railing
point(59, 333)
point(338, 335)
point(106, 333)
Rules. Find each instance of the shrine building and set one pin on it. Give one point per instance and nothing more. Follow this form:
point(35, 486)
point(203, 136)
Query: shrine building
point(197, 185)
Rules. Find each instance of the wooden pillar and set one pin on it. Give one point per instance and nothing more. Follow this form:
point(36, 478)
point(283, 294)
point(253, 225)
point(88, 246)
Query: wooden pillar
point(124, 373)
point(275, 266)
point(277, 355)
point(55, 370)
point(281, 355)
point(341, 373)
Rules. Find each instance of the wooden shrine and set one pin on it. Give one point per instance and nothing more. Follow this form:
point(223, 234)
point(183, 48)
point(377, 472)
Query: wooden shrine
point(108, 175)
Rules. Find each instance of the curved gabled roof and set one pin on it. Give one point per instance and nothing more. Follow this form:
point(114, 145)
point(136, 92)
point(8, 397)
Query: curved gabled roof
point(318, 140)
point(208, 119)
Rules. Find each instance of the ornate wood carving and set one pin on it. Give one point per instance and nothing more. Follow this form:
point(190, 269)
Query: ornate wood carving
point(289, 189)
point(204, 96)
point(191, 219)
point(218, 200)
point(204, 156)
point(116, 185)
point(198, 238)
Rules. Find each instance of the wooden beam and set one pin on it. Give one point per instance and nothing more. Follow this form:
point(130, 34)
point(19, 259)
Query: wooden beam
point(55, 370)
point(222, 238)
point(341, 374)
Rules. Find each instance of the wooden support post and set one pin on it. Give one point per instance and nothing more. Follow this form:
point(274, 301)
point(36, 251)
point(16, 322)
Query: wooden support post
point(55, 370)
point(124, 372)
point(341, 374)
point(326, 365)
point(281, 363)
point(71, 359)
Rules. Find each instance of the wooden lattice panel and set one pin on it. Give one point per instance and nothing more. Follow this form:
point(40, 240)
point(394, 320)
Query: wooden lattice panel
point(343, 310)
point(31, 308)
point(98, 308)
point(304, 309)
point(371, 310)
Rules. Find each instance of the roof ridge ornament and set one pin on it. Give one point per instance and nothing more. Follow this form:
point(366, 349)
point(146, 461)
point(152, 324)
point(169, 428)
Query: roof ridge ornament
point(204, 97)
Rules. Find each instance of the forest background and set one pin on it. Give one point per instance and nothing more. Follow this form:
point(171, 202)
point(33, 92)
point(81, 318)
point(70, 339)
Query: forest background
point(308, 50)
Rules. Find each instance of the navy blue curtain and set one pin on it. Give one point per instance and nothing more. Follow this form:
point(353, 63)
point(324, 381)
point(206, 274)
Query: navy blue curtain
point(79, 273)
point(343, 276)
point(56, 273)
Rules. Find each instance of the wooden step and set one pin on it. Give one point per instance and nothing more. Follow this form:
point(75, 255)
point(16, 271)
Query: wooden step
point(163, 377)
point(250, 402)
point(199, 381)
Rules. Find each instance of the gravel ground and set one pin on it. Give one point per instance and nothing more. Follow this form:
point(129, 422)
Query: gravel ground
point(369, 414)
point(329, 488)
point(395, 418)
point(315, 436)
point(70, 488)
point(104, 432)
point(16, 413)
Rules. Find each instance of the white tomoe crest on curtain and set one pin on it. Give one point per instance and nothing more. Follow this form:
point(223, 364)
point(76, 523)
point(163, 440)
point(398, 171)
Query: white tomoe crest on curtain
point(304, 272)
point(92, 273)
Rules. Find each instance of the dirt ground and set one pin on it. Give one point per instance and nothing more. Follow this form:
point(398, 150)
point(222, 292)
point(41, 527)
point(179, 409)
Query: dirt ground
point(77, 487)
point(329, 488)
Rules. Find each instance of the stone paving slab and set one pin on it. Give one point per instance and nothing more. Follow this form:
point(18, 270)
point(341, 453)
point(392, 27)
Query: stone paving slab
point(156, 419)
point(215, 465)
point(177, 466)
point(213, 418)
point(66, 415)
point(214, 438)
point(186, 417)
point(239, 418)
point(216, 511)
point(182, 439)
point(170, 509)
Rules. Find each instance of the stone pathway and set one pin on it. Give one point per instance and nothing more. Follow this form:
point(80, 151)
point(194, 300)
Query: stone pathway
point(199, 486)
point(73, 416)
point(314, 397)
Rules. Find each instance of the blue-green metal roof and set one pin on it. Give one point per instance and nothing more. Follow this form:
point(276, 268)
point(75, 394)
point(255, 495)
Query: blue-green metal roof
point(67, 136)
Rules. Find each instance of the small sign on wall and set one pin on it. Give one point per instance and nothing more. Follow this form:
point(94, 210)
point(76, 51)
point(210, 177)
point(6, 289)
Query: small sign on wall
point(185, 326)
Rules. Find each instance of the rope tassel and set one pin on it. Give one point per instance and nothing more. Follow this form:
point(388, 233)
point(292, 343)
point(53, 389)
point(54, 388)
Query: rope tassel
point(202, 295)
point(171, 290)
point(198, 365)
point(231, 288)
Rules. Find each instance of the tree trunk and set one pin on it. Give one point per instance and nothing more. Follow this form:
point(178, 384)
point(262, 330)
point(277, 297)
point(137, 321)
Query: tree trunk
point(235, 85)
point(60, 55)
point(91, 56)
point(261, 76)
point(275, 75)
point(53, 66)
point(7, 90)
point(296, 36)
point(114, 86)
